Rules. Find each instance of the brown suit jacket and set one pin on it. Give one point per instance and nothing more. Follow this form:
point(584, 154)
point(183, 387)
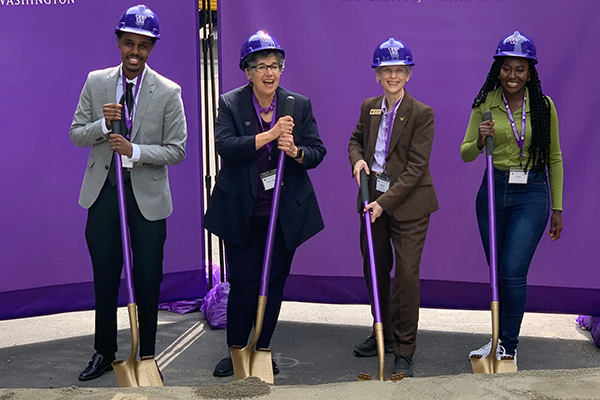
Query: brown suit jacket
point(411, 194)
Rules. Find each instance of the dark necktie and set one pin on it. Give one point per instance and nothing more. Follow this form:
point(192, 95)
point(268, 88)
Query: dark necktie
point(129, 98)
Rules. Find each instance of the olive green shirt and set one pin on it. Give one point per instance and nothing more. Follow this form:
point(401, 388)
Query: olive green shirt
point(506, 149)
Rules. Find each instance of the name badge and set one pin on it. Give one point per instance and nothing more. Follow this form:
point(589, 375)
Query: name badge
point(268, 179)
point(383, 183)
point(126, 161)
point(518, 176)
point(375, 111)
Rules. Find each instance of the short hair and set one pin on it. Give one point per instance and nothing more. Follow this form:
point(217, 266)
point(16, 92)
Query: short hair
point(252, 58)
point(407, 68)
point(120, 34)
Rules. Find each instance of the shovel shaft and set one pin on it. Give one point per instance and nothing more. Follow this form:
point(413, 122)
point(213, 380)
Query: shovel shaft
point(492, 220)
point(124, 228)
point(380, 351)
point(266, 269)
point(364, 190)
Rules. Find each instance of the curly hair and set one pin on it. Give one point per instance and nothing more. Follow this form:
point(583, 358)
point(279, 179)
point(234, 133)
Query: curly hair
point(539, 106)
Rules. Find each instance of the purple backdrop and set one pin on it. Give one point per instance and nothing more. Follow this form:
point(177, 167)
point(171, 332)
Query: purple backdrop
point(329, 45)
point(47, 51)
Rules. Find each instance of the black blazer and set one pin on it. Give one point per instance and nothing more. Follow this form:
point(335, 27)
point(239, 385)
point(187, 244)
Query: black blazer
point(232, 203)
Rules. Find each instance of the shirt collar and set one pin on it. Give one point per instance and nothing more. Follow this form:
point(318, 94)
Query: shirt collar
point(496, 100)
point(384, 105)
point(134, 80)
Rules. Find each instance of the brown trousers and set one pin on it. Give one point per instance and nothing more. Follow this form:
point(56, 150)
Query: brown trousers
point(403, 242)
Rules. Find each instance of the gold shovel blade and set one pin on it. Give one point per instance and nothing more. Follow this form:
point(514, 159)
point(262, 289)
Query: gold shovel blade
point(364, 377)
point(484, 365)
point(378, 327)
point(504, 366)
point(131, 372)
point(249, 362)
point(367, 377)
point(396, 377)
point(134, 373)
point(490, 364)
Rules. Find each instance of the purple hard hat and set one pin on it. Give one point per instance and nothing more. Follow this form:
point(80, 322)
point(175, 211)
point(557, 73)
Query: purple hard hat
point(140, 20)
point(517, 45)
point(257, 42)
point(392, 52)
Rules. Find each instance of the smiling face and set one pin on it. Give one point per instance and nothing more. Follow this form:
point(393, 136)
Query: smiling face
point(514, 74)
point(135, 50)
point(392, 79)
point(266, 82)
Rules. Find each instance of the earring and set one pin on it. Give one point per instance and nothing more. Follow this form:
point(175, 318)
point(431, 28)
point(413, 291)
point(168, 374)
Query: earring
point(528, 79)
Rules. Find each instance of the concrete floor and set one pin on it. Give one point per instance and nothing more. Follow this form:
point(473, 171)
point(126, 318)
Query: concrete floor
point(312, 344)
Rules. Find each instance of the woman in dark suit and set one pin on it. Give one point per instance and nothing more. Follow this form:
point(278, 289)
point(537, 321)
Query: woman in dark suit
point(250, 132)
point(392, 142)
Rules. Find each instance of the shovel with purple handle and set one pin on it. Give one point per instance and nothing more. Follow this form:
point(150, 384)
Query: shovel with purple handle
point(378, 325)
point(248, 361)
point(490, 364)
point(131, 372)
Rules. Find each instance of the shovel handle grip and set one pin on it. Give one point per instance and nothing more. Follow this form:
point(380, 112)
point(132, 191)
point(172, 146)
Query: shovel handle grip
point(489, 142)
point(364, 187)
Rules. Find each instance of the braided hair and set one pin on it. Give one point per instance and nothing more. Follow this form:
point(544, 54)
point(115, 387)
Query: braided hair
point(539, 106)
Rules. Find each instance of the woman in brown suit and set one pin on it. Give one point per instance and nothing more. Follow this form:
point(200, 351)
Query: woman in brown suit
point(392, 143)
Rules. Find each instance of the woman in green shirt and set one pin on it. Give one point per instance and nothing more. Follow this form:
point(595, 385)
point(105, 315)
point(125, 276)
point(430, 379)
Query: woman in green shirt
point(526, 155)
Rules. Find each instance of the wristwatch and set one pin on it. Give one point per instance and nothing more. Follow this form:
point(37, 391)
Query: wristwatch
point(299, 154)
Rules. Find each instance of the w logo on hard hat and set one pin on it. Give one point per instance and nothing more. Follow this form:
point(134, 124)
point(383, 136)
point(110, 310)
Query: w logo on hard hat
point(514, 40)
point(140, 19)
point(393, 51)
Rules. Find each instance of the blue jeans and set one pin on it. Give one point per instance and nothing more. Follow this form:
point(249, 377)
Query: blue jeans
point(521, 215)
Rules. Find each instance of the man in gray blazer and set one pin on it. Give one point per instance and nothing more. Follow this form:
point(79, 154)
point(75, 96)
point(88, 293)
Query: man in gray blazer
point(150, 112)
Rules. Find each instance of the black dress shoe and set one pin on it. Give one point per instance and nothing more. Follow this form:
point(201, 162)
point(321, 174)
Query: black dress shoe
point(404, 365)
point(225, 367)
point(98, 365)
point(368, 348)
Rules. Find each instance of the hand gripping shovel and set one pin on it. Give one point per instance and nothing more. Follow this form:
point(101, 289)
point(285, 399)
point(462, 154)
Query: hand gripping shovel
point(249, 361)
point(378, 325)
point(131, 372)
point(490, 364)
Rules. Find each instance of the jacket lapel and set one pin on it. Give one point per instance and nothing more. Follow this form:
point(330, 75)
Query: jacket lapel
point(375, 121)
point(280, 108)
point(145, 96)
point(400, 121)
point(111, 85)
point(249, 127)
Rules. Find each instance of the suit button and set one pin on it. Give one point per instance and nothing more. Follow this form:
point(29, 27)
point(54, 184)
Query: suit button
point(106, 167)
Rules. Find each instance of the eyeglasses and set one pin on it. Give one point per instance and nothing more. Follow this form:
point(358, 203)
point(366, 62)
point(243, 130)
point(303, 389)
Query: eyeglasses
point(388, 71)
point(262, 68)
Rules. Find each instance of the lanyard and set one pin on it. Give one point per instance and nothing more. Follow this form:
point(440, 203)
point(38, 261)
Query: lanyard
point(256, 108)
point(390, 122)
point(128, 112)
point(520, 139)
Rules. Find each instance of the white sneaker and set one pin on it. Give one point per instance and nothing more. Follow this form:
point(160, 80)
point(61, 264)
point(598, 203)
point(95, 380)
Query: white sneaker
point(484, 350)
point(501, 352)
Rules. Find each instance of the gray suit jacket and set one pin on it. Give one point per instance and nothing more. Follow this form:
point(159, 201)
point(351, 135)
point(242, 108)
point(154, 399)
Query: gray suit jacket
point(159, 128)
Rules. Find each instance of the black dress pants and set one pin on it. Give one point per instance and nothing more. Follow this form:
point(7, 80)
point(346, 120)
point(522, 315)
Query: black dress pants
point(103, 236)
point(245, 267)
